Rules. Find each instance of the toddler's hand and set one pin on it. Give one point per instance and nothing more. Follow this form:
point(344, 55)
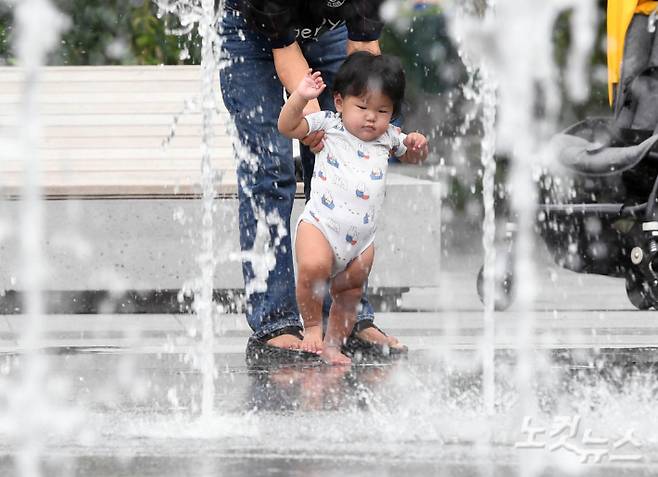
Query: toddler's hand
point(311, 86)
point(417, 148)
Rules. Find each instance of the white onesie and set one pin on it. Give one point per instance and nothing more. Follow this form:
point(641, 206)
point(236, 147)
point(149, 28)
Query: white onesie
point(348, 185)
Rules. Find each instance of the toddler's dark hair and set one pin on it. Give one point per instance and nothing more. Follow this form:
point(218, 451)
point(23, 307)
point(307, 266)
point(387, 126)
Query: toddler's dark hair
point(363, 69)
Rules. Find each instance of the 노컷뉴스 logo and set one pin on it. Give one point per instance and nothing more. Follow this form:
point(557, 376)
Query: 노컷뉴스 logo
point(335, 3)
point(565, 435)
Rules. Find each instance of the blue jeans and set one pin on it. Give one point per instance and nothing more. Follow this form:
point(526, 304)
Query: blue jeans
point(253, 96)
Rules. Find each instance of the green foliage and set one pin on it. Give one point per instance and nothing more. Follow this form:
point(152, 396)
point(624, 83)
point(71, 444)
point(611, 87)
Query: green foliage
point(597, 102)
point(5, 33)
point(151, 42)
point(429, 56)
point(111, 32)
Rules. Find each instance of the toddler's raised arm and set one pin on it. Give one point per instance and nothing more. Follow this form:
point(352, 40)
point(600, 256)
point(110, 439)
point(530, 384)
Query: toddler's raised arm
point(291, 119)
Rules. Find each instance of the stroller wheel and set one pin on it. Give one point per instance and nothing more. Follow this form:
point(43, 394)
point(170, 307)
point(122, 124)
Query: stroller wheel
point(503, 291)
point(638, 293)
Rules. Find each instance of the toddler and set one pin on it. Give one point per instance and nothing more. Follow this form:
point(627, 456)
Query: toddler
point(336, 231)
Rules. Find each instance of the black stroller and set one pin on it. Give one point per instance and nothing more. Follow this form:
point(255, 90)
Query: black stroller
point(600, 217)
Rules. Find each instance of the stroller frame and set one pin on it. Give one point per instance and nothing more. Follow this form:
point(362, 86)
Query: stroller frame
point(621, 151)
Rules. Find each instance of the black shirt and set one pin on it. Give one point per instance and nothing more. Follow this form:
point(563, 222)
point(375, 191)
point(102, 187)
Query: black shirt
point(285, 21)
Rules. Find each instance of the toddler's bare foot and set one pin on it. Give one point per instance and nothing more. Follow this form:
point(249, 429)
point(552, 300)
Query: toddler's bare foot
point(333, 356)
point(312, 341)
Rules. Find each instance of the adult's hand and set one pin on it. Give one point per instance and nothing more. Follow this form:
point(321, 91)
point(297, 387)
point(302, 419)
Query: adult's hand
point(313, 140)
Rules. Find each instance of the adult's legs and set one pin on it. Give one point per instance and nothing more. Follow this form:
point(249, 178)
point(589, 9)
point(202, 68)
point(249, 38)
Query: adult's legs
point(253, 96)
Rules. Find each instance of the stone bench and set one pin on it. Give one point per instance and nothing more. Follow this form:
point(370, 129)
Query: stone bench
point(105, 130)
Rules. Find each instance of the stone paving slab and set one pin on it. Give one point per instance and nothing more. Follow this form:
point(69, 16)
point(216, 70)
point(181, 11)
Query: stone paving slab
point(554, 288)
point(99, 323)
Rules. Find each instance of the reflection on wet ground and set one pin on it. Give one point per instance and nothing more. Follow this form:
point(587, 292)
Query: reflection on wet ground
point(138, 414)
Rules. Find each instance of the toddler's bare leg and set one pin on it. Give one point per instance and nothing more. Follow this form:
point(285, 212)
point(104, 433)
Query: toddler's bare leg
point(346, 290)
point(314, 260)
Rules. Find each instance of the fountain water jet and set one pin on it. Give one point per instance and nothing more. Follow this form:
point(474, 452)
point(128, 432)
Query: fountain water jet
point(207, 261)
point(481, 90)
point(488, 98)
point(38, 25)
point(202, 13)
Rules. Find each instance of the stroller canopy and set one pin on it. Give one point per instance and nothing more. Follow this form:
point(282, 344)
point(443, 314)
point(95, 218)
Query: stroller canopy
point(620, 14)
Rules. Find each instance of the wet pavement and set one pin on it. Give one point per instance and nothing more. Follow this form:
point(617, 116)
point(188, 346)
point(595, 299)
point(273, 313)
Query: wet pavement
point(122, 413)
point(121, 395)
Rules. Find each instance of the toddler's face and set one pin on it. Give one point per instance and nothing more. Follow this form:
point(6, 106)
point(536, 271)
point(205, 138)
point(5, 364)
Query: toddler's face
point(366, 117)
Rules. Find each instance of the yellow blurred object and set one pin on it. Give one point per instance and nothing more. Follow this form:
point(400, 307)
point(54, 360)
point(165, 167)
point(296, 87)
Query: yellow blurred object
point(620, 14)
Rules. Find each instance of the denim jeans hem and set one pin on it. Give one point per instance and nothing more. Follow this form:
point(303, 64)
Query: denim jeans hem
point(265, 330)
point(365, 317)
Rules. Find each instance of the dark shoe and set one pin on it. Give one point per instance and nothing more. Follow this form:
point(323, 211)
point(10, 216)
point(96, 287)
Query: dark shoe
point(361, 350)
point(261, 354)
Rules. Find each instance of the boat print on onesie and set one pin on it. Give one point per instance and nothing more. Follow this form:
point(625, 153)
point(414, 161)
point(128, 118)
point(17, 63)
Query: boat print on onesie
point(362, 192)
point(376, 174)
point(369, 216)
point(352, 236)
point(328, 200)
point(332, 161)
point(363, 154)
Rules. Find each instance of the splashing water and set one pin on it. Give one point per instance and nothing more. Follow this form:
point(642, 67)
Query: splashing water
point(202, 14)
point(435, 412)
point(271, 228)
point(488, 99)
point(481, 89)
point(30, 406)
point(512, 72)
